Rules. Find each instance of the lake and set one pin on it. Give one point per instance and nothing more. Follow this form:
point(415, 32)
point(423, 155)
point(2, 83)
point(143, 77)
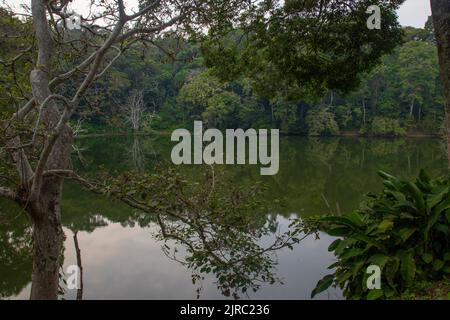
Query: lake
point(121, 251)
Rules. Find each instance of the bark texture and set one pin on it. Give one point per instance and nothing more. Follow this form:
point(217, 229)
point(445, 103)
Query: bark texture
point(441, 19)
point(45, 208)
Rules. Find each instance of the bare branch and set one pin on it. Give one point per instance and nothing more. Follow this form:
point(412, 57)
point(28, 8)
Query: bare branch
point(48, 148)
point(150, 30)
point(145, 10)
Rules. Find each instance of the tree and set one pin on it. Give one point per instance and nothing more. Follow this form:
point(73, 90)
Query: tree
point(441, 20)
point(417, 71)
point(321, 122)
point(315, 45)
point(134, 109)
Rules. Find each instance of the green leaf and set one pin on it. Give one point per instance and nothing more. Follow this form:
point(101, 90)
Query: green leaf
point(417, 195)
point(379, 259)
point(438, 264)
point(356, 218)
point(322, 285)
point(436, 213)
point(405, 233)
point(434, 199)
point(385, 225)
point(338, 221)
point(357, 268)
point(392, 268)
point(338, 232)
point(442, 228)
point(408, 267)
point(350, 253)
point(334, 245)
point(424, 177)
point(375, 294)
point(427, 257)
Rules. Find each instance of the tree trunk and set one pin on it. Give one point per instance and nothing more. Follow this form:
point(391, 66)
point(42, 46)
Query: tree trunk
point(411, 108)
point(364, 111)
point(45, 208)
point(80, 265)
point(48, 238)
point(441, 19)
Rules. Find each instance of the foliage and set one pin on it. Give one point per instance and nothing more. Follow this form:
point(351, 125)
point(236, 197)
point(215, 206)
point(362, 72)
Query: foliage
point(328, 49)
point(405, 230)
point(321, 122)
point(382, 126)
point(403, 88)
point(16, 250)
point(15, 61)
point(429, 290)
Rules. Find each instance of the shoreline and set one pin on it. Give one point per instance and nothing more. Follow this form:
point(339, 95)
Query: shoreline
point(344, 134)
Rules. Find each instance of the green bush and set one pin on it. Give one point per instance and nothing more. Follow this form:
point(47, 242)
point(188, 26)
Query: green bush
point(404, 230)
point(321, 122)
point(382, 126)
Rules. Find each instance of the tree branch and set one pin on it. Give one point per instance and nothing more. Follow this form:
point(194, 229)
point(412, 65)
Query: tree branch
point(42, 163)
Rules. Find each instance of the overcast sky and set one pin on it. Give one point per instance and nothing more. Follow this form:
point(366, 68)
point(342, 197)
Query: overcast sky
point(412, 13)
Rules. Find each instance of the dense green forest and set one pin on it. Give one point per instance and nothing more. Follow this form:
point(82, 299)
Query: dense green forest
point(401, 95)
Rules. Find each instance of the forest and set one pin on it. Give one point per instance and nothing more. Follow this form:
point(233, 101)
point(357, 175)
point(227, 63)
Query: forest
point(402, 95)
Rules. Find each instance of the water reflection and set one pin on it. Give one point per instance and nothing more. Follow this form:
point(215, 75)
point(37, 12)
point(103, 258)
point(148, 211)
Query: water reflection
point(123, 252)
point(15, 251)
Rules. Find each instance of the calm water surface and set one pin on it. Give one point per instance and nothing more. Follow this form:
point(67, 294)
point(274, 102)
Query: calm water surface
point(122, 258)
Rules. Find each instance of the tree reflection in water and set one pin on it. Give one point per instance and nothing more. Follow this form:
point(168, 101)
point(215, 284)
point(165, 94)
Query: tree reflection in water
point(227, 227)
point(220, 225)
point(15, 250)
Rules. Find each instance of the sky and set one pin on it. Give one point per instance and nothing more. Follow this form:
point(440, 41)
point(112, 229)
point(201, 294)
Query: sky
point(412, 13)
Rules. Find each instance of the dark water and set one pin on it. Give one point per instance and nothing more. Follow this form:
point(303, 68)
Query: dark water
point(122, 257)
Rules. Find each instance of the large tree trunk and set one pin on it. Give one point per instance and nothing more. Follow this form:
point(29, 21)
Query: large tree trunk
point(45, 209)
point(441, 19)
point(48, 240)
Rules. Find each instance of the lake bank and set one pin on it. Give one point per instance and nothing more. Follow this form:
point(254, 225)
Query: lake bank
point(354, 134)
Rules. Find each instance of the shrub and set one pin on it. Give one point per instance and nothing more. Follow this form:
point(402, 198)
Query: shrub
point(404, 230)
point(321, 122)
point(383, 126)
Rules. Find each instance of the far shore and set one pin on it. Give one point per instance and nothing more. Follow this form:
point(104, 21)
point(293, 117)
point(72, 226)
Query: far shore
point(353, 134)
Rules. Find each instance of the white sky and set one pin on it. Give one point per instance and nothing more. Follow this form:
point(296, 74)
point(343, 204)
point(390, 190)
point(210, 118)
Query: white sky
point(412, 13)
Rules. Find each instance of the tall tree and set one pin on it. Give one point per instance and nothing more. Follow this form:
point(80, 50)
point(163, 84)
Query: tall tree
point(441, 19)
